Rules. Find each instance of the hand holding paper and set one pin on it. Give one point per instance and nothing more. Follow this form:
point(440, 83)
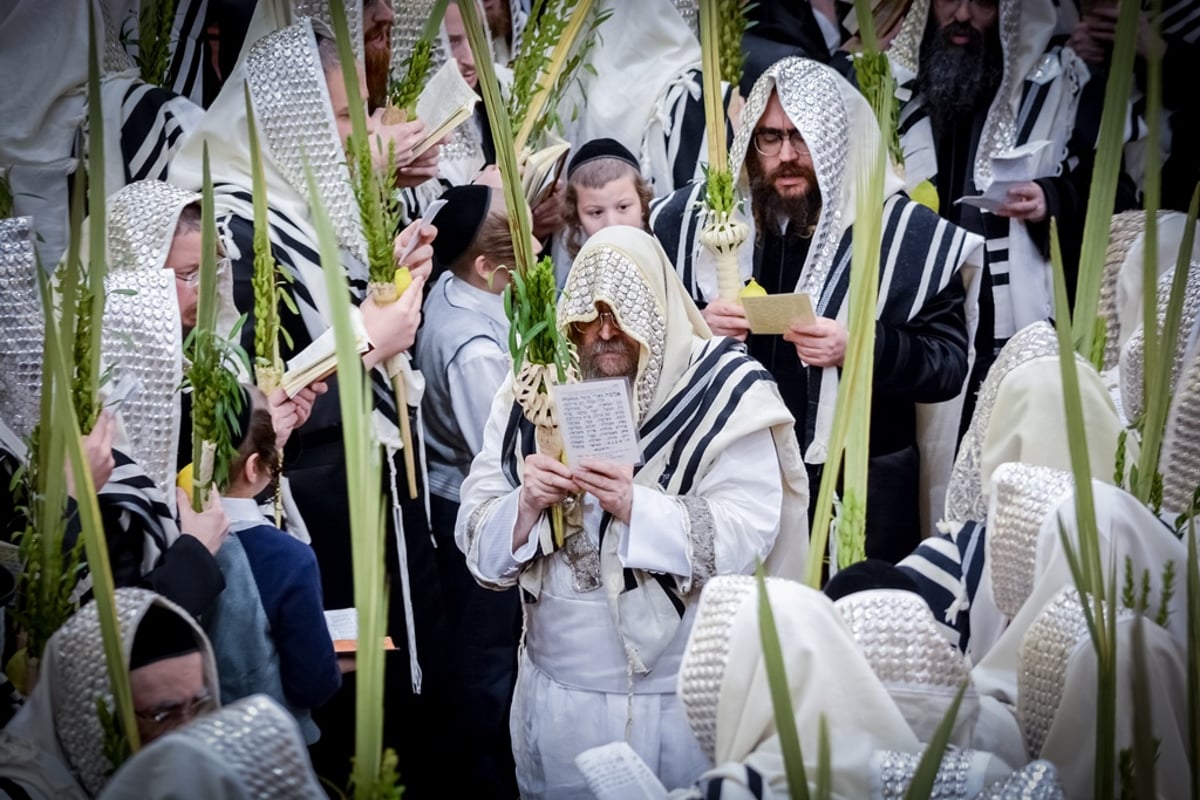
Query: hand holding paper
point(821, 343)
point(778, 313)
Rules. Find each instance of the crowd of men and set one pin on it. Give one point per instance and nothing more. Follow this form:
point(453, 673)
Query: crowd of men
point(577, 628)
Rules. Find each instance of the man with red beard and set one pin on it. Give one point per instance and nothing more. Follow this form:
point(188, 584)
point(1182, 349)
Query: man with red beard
point(377, 49)
point(796, 159)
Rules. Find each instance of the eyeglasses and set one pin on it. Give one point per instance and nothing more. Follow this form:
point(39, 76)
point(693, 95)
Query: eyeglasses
point(580, 328)
point(769, 141)
point(192, 279)
point(174, 715)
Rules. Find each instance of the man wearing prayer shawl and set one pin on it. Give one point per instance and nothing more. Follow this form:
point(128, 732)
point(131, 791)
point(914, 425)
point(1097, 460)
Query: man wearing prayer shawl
point(721, 486)
point(296, 125)
point(805, 141)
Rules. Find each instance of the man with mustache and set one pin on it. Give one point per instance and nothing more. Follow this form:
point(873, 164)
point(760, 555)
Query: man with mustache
point(988, 80)
point(797, 162)
point(607, 613)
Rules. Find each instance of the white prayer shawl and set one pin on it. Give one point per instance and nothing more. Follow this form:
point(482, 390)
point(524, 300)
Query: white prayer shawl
point(693, 398)
point(54, 746)
point(1034, 564)
point(1036, 101)
point(724, 688)
point(838, 127)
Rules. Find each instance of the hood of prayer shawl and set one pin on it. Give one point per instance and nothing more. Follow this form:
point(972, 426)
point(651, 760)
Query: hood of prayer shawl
point(838, 126)
point(1019, 417)
point(273, 15)
point(253, 744)
point(724, 690)
point(294, 118)
point(59, 718)
point(627, 269)
point(1179, 460)
point(141, 340)
point(905, 49)
point(21, 343)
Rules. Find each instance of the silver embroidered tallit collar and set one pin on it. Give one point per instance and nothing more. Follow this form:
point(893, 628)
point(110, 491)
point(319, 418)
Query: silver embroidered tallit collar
point(295, 117)
point(321, 11)
point(142, 327)
point(610, 275)
point(21, 342)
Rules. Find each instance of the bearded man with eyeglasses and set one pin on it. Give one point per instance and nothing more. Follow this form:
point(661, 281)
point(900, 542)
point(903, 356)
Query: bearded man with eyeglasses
point(798, 157)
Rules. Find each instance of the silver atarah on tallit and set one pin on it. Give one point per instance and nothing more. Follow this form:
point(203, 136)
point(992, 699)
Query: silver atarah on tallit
point(23, 332)
point(812, 100)
point(966, 499)
point(1000, 128)
point(1179, 459)
point(320, 10)
point(1037, 780)
point(1025, 496)
point(142, 330)
point(1126, 228)
point(704, 661)
point(291, 102)
point(1055, 634)
point(1133, 354)
point(895, 772)
point(897, 633)
point(259, 741)
point(608, 274)
point(905, 49)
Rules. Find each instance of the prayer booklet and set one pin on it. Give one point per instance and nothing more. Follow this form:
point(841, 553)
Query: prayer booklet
point(1011, 168)
point(319, 359)
point(343, 629)
point(616, 772)
point(446, 102)
point(542, 171)
point(775, 313)
point(596, 421)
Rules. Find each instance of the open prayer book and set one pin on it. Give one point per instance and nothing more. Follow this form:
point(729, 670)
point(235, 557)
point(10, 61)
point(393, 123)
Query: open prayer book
point(446, 102)
point(319, 359)
point(343, 629)
point(616, 772)
point(542, 171)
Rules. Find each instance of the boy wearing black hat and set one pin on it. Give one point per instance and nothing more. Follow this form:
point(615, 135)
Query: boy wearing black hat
point(604, 188)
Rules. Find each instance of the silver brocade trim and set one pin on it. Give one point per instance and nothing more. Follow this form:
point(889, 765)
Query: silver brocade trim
point(812, 100)
point(1045, 650)
point(896, 771)
point(1037, 780)
point(690, 11)
point(406, 32)
point(258, 740)
point(1179, 460)
point(320, 10)
point(1126, 228)
point(900, 639)
point(82, 679)
point(704, 661)
point(115, 58)
point(609, 275)
point(141, 321)
point(702, 551)
point(295, 115)
point(1133, 356)
point(475, 519)
point(1025, 495)
point(966, 499)
point(1000, 128)
point(21, 343)
point(905, 49)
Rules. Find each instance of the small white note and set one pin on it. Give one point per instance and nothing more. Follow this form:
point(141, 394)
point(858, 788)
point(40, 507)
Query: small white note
point(431, 211)
point(342, 624)
point(596, 420)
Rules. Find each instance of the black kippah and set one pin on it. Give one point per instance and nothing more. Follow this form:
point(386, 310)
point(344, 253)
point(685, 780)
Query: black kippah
point(459, 221)
point(601, 148)
point(161, 634)
point(873, 573)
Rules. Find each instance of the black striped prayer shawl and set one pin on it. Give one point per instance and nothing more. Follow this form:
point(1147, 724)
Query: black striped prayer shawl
point(679, 442)
point(921, 253)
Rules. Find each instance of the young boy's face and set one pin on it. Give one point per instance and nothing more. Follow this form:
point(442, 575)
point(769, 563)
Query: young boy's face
point(614, 203)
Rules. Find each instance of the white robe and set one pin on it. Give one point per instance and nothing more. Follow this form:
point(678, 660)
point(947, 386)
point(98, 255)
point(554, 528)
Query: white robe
point(573, 668)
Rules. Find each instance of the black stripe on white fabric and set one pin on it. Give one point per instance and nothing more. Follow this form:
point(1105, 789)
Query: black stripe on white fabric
point(700, 448)
point(517, 430)
point(1031, 106)
point(191, 48)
